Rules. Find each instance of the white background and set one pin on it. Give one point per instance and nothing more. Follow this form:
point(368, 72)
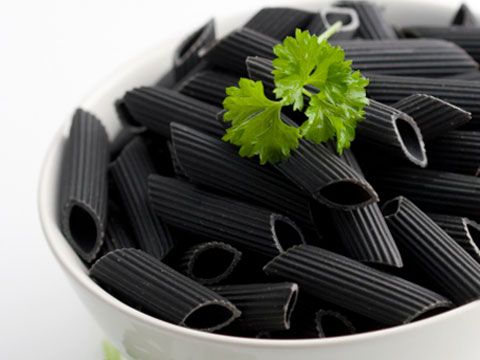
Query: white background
point(51, 54)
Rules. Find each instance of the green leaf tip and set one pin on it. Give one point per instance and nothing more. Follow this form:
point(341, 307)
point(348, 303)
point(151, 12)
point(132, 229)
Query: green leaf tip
point(110, 352)
point(307, 70)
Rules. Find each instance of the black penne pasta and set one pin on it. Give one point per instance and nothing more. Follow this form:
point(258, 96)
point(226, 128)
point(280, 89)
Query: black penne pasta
point(186, 56)
point(329, 16)
point(408, 57)
point(364, 232)
point(391, 130)
point(462, 93)
point(264, 307)
point(208, 86)
point(168, 80)
point(468, 38)
point(447, 264)
point(117, 235)
point(177, 167)
point(327, 178)
point(130, 172)
point(230, 52)
point(256, 229)
point(464, 231)
point(215, 164)
point(332, 323)
point(354, 286)
point(157, 107)
point(433, 116)
point(209, 262)
point(126, 119)
point(456, 151)
point(279, 22)
point(372, 23)
point(260, 69)
point(144, 282)
point(471, 75)
point(124, 136)
point(84, 185)
point(432, 190)
point(464, 17)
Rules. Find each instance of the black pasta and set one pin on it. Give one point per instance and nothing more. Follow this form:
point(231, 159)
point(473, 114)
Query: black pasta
point(432, 190)
point(215, 164)
point(256, 229)
point(456, 151)
point(279, 22)
point(354, 286)
point(264, 307)
point(372, 22)
point(433, 116)
point(144, 282)
point(327, 178)
point(157, 107)
point(187, 56)
point(130, 172)
point(464, 231)
point(209, 262)
point(364, 232)
point(437, 254)
point(463, 93)
point(84, 186)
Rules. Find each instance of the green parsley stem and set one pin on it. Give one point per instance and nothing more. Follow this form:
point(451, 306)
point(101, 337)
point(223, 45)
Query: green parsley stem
point(306, 92)
point(330, 31)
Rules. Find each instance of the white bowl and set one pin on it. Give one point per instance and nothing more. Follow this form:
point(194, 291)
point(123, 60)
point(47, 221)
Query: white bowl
point(452, 335)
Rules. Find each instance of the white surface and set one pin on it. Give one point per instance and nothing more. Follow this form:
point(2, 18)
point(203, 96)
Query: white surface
point(52, 54)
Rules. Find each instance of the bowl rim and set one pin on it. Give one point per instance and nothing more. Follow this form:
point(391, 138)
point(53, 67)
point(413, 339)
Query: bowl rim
point(55, 240)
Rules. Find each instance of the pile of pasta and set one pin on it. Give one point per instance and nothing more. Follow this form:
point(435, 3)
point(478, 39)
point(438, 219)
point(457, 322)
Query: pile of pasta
point(170, 220)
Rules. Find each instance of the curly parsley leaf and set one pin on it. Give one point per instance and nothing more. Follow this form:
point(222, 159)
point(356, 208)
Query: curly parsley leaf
point(302, 63)
point(256, 125)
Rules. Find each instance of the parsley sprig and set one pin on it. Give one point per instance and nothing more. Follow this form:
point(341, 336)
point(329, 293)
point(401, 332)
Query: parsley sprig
point(332, 112)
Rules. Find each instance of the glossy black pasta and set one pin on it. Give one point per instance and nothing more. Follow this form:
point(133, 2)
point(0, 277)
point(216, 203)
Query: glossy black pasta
point(407, 57)
point(216, 217)
point(372, 22)
point(130, 172)
point(447, 264)
point(464, 17)
point(355, 286)
point(456, 151)
point(471, 75)
point(186, 56)
point(208, 86)
point(209, 262)
point(327, 178)
point(468, 38)
point(144, 282)
point(431, 190)
point(364, 232)
point(84, 186)
point(433, 116)
point(279, 22)
point(464, 231)
point(463, 93)
point(215, 164)
point(231, 51)
point(264, 307)
point(157, 107)
point(388, 129)
point(332, 323)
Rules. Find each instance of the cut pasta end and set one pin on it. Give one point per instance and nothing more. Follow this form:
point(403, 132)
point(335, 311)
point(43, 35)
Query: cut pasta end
point(411, 140)
point(347, 194)
point(285, 232)
point(211, 316)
